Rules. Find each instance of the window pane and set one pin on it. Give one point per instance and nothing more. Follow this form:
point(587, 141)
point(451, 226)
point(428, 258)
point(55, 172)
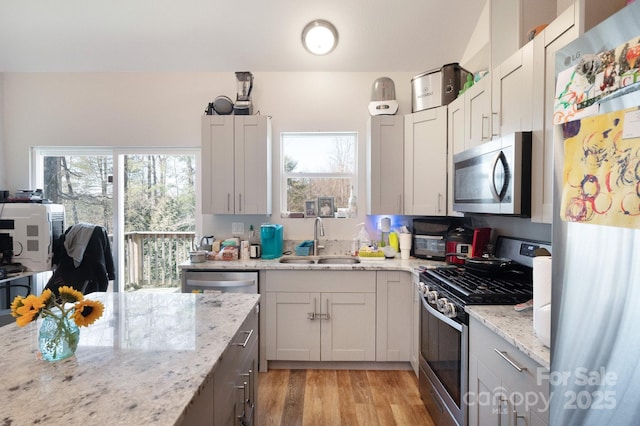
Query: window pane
point(82, 184)
point(159, 218)
point(303, 189)
point(318, 165)
point(319, 153)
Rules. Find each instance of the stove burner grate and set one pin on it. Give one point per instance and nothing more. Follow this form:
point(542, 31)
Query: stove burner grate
point(474, 288)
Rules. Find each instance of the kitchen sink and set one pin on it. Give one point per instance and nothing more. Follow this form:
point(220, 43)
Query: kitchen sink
point(343, 260)
point(296, 260)
point(324, 260)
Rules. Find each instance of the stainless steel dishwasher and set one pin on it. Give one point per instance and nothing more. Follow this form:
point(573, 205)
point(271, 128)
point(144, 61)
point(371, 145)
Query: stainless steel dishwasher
point(224, 281)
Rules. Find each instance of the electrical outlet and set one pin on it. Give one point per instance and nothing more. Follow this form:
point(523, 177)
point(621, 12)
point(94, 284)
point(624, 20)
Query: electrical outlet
point(237, 228)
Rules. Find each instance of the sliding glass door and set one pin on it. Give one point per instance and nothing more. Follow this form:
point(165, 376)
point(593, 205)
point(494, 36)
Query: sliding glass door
point(144, 198)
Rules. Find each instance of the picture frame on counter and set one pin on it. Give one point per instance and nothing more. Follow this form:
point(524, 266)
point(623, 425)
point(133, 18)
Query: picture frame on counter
point(310, 208)
point(325, 206)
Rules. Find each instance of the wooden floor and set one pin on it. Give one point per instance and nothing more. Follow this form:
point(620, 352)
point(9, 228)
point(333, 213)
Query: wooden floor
point(340, 397)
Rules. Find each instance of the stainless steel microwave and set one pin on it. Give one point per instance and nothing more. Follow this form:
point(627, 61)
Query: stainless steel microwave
point(494, 177)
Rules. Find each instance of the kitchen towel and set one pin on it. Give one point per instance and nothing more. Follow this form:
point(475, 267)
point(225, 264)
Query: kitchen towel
point(542, 298)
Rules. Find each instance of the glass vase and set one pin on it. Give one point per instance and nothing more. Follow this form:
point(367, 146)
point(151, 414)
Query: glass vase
point(58, 336)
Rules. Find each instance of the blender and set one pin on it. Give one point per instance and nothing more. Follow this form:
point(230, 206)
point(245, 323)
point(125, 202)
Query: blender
point(244, 84)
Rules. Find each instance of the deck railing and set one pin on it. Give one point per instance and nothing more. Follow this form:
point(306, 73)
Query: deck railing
point(151, 259)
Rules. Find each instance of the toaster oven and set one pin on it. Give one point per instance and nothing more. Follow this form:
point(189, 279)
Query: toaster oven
point(429, 246)
point(430, 237)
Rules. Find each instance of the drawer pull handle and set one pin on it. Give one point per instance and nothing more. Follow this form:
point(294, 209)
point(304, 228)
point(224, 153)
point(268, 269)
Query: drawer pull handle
point(244, 344)
point(506, 357)
point(313, 315)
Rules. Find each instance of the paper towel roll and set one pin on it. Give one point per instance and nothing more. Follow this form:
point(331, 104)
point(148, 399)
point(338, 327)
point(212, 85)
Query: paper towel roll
point(542, 298)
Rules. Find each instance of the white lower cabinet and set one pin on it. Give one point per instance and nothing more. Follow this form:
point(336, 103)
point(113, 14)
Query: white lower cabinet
point(320, 315)
point(393, 324)
point(505, 386)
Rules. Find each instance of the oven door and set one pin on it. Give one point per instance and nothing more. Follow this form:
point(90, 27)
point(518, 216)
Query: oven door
point(443, 365)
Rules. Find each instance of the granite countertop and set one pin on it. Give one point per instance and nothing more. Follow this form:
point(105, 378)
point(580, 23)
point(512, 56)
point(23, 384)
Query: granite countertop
point(140, 363)
point(408, 265)
point(513, 326)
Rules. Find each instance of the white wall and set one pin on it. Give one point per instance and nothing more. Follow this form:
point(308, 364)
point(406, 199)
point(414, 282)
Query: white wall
point(164, 110)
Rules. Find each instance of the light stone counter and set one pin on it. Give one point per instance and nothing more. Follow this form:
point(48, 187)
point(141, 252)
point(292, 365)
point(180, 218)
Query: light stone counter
point(141, 363)
point(394, 264)
point(515, 327)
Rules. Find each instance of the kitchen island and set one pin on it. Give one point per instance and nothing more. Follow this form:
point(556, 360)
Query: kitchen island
point(148, 360)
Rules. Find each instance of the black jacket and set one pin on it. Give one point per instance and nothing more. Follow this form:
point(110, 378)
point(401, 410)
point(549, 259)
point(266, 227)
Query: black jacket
point(95, 270)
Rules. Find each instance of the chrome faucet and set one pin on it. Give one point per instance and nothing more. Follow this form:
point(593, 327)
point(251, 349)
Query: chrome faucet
point(316, 247)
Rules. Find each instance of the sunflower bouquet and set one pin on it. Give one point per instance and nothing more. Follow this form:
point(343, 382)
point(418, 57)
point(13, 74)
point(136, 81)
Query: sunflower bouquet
point(62, 314)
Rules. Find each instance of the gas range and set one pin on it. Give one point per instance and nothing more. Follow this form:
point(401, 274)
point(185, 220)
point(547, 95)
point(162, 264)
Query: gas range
point(449, 288)
point(444, 324)
point(471, 288)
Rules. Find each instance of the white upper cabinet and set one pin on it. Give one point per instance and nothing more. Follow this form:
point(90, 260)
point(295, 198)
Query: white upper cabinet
point(385, 164)
point(236, 164)
point(511, 93)
point(425, 162)
point(477, 109)
point(575, 20)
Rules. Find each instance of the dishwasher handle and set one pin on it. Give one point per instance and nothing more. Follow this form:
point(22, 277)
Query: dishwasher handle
point(220, 283)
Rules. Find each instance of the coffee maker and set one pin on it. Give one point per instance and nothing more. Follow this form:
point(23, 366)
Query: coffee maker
point(271, 238)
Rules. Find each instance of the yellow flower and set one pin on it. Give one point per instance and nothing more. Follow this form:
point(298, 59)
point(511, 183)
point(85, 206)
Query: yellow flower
point(69, 294)
point(25, 319)
point(87, 311)
point(47, 298)
point(26, 309)
point(17, 302)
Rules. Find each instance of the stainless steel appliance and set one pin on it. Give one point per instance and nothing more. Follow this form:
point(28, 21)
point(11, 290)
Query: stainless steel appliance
point(429, 237)
point(443, 370)
point(494, 177)
point(437, 87)
point(224, 281)
point(595, 275)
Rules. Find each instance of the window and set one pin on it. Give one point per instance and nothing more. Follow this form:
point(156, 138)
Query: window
point(317, 165)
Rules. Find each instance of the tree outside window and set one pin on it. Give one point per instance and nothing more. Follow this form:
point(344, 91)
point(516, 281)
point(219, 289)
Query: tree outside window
point(318, 165)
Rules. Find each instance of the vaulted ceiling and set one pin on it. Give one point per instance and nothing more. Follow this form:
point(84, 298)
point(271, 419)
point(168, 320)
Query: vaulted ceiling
point(230, 35)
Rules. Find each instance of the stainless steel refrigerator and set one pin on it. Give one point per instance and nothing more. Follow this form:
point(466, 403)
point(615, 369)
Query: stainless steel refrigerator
point(595, 343)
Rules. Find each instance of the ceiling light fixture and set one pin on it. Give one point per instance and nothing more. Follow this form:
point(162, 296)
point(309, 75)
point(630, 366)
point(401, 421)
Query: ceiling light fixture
point(319, 37)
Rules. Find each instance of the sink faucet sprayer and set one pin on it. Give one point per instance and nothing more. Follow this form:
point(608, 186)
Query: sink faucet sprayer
point(316, 247)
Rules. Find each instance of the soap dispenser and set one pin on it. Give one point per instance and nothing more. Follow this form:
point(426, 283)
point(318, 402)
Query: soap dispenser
point(353, 204)
point(361, 239)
